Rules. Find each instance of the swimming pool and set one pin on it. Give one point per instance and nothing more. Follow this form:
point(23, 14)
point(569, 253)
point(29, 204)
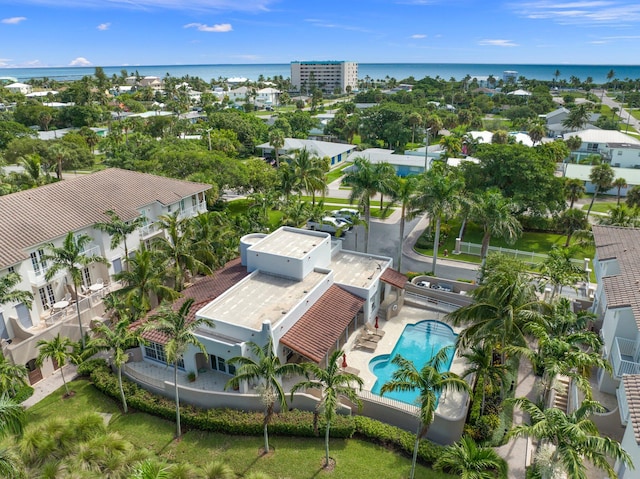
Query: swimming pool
point(419, 343)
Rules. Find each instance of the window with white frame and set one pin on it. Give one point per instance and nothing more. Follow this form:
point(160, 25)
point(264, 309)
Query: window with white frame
point(38, 262)
point(220, 364)
point(86, 278)
point(47, 296)
point(156, 351)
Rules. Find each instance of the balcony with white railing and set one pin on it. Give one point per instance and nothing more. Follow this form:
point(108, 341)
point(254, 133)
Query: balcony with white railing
point(624, 357)
point(149, 230)
point(192, 210)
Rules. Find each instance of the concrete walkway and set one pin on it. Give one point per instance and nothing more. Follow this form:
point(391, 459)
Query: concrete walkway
point(51, 384)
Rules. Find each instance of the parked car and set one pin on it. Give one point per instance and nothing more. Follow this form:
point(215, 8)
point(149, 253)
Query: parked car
point(348, 214)
point(329, 224)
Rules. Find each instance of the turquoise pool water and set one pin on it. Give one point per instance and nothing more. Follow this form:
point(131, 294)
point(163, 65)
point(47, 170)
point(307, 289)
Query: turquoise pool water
point(419, 343)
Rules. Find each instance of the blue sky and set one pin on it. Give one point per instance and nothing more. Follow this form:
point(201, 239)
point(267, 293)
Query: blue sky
point(158, 32)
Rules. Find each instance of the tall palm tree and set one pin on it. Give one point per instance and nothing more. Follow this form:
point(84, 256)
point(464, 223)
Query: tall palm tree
point(60, 349)
point(574, 189)
point(309, 172)
point(503, 305)
point(177, 245)
point(537, 132)
point(9, 295)
point(495, 214)
point(559, 270)
point(578, 117)
point(467, 460)
point(430, 382)
point(437, 193)
point(364, 185)
point(119, 229)
point(12, 376)
point(333, 383)
point(267, 369)
point(179, 331)
point(602, 177)
point(70, 257)
point(403, 193)
point(276, 140)
point(452, 146)
point(619, 183)
point(144, 277)
point(488, 375)
point(575, 437)
point(571, 221)
point(118, 340)
point(386, 177)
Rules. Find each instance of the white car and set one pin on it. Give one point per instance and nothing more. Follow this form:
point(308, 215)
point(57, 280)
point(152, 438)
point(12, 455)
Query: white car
point(348, 214)
point(329, 224)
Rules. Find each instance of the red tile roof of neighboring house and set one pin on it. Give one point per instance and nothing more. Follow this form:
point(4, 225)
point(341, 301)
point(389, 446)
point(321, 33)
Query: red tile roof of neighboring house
point(319, 329)
point(623, 245)
point(632, 392)
point(202, 292)
point(33, 217)
point(394, 278)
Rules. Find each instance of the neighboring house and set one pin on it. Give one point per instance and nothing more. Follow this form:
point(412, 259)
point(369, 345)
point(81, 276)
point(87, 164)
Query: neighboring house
point(583, 172)
point(327, 75)
point(34, 218)
point(617, 302)
point(629, 408)
point(606, 143)
point(411, 163)
point(19, 88)
point(155, 83)
point(294, 287)
point(39, 94)
point(267, 96)
point(238, 95)
point(336, 152)
point(57, 134)
point(519, 92)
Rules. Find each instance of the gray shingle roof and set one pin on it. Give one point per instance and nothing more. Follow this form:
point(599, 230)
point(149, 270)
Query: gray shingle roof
point(33, 217)
point(622, 244)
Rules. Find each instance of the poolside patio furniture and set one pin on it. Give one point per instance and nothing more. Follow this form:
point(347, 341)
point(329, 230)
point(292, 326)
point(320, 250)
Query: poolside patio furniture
point(365, 344)
point(373, 331)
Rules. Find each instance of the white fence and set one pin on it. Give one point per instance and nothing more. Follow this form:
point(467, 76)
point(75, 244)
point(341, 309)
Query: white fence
point(528, 257)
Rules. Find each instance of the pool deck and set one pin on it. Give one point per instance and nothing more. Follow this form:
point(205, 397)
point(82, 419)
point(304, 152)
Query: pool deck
point(358, 358)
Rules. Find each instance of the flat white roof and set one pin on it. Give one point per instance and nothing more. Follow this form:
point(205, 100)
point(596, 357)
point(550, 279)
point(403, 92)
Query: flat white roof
point(294, 243)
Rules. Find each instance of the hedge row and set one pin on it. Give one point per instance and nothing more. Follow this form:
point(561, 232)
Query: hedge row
point(230, 421)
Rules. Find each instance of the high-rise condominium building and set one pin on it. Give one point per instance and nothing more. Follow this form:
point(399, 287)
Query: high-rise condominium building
point(326, 75)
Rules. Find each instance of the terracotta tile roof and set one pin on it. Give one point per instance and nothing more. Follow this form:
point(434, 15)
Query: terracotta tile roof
point(632, 393)
point(33, 217)
point(203, 292)
point(623, 245)
point(394, 278)
point(318, 330)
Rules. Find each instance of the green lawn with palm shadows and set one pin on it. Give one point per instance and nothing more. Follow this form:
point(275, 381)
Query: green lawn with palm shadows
point(294, 458)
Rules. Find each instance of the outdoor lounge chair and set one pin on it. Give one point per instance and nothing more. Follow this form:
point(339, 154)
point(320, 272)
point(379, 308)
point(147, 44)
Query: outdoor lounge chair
point(365, 344)
point(365, 336)
point(373, 331)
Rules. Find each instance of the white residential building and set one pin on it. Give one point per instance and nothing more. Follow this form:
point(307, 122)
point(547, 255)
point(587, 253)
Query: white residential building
point(336, 152)
point(327, 75)
point(35, 218)
point(267, 96)
point(19, 88)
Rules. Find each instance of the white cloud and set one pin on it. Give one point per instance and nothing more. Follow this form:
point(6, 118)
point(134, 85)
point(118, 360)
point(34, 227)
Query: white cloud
point(13, 20)
point(498, 43)
point(418, 36)
point(80, 62)
point(219, 28)
point(596, 12)
point(104, 26)
point(324, 24)
point(4, 62)
point(247, 57)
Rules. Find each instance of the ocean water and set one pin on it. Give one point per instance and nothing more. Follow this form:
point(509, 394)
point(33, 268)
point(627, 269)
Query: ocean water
point(375, 71)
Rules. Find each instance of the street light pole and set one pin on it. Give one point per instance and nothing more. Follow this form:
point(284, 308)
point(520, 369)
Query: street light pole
point(426, 150)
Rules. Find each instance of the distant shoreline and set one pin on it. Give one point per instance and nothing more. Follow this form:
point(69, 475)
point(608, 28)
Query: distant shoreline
point(377, 71)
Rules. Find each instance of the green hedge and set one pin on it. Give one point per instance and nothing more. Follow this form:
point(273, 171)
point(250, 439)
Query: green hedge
point(231, 421)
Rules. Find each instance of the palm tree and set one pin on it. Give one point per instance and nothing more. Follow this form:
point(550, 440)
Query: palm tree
point(58, 151)
point(403, 193)
point(12, 376)
point(556, 76)
point(33, 168)
point(467, 460)
point(495, 214)
point(364, 185)
point(119, 229)
point(619, 183)
point(437, 193)
point(61, 350)
point(575, 437)
point(488, 375)
point(217, 470)
point(578, 117)
point(309, 173)
point(179, 329)
point(430, 382)
point(386, 177)
point(144, 277)
point(503, 305)
point(620, 215)
point(7, 293)
point(266, 368)
point(70, 257)
point(571, 221)
point(117, 340)
point(602, 178)
point(633, 197)
point(574, 189)
point(537, 132)
point(177, 245)
point(559, 270)
point(12, 420)
point(332, 383)
point(452, 146)
point(414, 119)
point(276, 140)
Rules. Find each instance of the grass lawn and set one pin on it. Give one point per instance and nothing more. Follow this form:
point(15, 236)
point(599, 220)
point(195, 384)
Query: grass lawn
point(294, 458)
point(529, 242)
point(600, 206)
point(336, 173)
